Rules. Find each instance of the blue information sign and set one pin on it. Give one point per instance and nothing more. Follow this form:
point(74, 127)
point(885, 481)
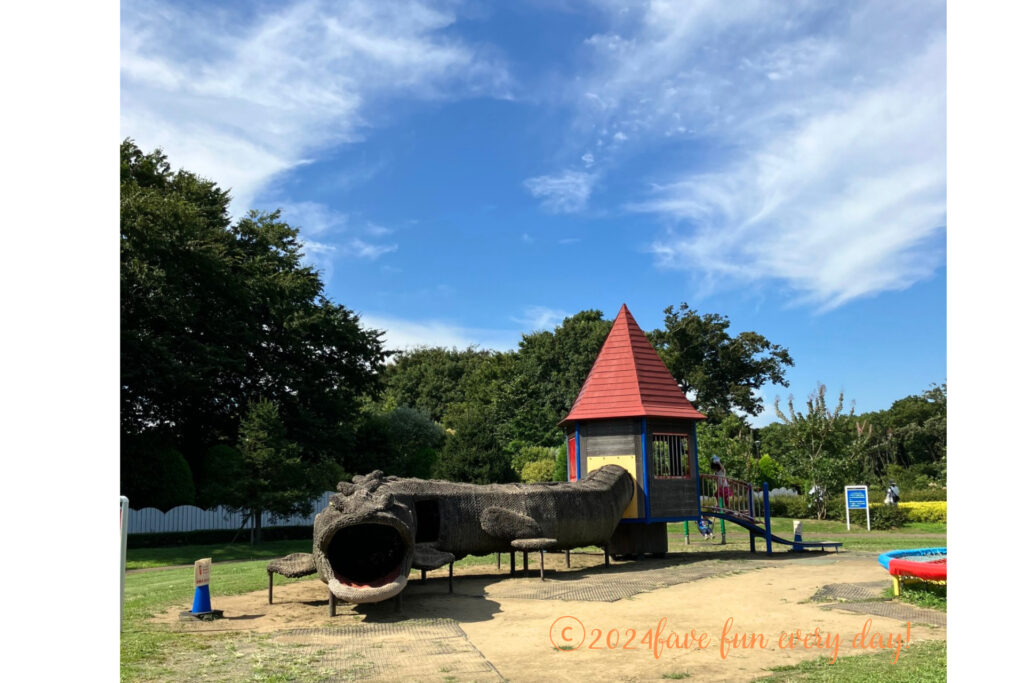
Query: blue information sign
point(856, 499)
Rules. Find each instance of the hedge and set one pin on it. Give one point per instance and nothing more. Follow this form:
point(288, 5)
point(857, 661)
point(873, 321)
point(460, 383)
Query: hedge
point(174, 538)
point(930, 511)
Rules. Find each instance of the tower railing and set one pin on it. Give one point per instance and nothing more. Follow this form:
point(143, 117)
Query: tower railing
point(732, 496)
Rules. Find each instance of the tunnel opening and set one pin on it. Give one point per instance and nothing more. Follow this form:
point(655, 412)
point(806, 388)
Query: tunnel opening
point(428, 521)
point(366, 554)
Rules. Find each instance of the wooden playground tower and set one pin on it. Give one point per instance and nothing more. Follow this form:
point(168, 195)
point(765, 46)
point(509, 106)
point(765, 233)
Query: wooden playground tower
point(631, 412)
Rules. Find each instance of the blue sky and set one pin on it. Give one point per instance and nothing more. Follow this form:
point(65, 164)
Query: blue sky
point(465, 173)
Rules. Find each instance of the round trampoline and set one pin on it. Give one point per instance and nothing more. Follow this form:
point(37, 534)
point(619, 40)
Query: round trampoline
point(920, 563)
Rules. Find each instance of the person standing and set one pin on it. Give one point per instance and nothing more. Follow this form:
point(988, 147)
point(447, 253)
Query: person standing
point(722, 489)
point(892, 494)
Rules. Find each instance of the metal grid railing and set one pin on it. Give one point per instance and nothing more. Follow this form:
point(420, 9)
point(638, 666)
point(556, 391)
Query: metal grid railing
point(733, 496)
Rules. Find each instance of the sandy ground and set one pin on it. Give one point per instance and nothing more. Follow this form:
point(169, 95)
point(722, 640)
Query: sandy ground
point(531, 639)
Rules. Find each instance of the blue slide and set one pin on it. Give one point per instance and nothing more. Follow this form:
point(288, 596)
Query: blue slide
point(750, 525)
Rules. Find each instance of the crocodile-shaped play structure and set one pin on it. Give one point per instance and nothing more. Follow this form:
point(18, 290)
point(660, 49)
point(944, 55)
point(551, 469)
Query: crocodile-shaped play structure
point(376, 528)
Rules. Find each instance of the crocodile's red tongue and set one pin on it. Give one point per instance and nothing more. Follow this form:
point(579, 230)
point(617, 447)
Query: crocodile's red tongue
point(376, 583)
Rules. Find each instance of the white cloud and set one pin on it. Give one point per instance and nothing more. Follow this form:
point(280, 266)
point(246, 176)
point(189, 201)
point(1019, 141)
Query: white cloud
point(361, 249)
point(312, 218)
point(826, 124)
point(541, 318)
point(375, 230)
point(401, 334)
point(565, 193)
point(242, 95)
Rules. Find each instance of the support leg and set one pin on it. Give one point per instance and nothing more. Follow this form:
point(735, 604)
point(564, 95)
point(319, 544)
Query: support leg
point(896, 586)
point(512, 563)
point(499, 561)
point(270, 588)
point(451, 574)
point(567, 565)
point(423, 576)
point(686, 533)
point(607, 561)
point(541, 565)
point(751, 541)
point(332, 603)
point(526, 563)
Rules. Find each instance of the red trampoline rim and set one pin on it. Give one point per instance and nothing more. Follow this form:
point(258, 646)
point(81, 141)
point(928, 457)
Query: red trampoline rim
point(931, 571)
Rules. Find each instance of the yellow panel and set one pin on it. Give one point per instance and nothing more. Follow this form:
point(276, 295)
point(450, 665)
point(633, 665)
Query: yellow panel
point(626, 462)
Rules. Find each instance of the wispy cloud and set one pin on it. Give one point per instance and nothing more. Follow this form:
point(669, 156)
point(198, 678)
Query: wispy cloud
point(827, 125)
point(565, 193)
point(243, 94)
point(540, 318)
point(401, 334)
point(361, 249)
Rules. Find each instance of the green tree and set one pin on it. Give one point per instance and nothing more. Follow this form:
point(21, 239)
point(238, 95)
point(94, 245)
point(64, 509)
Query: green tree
point(272, 475)
point(430, 379)
point(555, 364)
point(472, 452)
point(822, 446)
point(721, 372)
point(216, 315)
point(732, 440)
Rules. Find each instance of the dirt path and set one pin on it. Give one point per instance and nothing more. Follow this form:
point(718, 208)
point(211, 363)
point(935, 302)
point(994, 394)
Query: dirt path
point(496, 626)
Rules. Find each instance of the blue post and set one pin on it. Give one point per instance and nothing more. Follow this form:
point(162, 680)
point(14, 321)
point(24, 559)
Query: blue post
point(643, 466)
point(767, 517)
point(750, 504)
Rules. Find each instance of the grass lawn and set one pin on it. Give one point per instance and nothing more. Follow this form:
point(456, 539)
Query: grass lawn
point(922, 594)
point(923, 662)
point(145, 648)
point(141, 558)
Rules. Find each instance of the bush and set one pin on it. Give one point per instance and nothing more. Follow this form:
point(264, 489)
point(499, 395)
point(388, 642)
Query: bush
point(789, 506)
point(835, 508)
point(156, 476)
point(888, 516)
point(931, 511)
point(562, 464)
point(223, 536)
point(538, 470)
point(929, 494)
point(525, 455)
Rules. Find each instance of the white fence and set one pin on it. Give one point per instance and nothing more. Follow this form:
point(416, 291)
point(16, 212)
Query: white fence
point(191, 518)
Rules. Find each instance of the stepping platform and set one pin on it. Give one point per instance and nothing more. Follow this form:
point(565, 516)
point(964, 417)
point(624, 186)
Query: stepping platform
point(534, 544)
point(293, 566)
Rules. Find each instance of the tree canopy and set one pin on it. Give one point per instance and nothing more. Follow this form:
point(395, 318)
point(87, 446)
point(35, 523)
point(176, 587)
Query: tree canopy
point(719, 372)
point(217, 315)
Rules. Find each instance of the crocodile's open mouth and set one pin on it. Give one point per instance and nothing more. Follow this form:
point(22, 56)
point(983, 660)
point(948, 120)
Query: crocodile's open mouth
point(368, 562)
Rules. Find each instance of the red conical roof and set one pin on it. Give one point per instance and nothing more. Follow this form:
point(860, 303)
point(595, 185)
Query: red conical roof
point(629, 379)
